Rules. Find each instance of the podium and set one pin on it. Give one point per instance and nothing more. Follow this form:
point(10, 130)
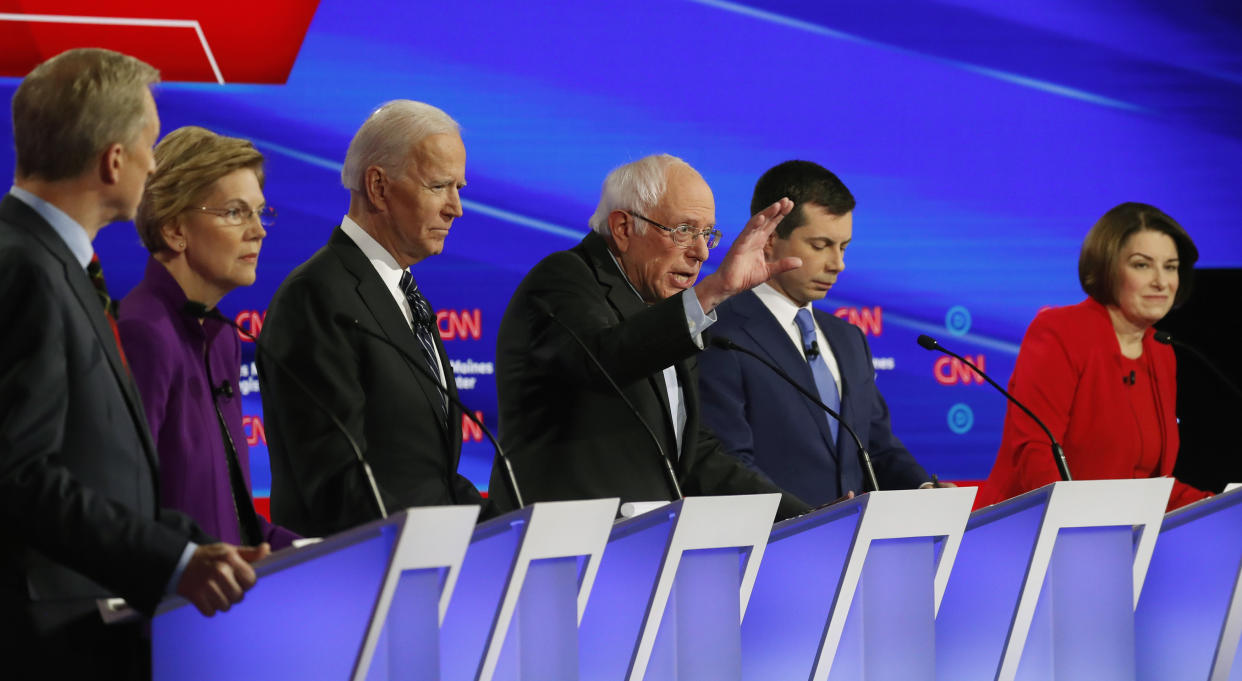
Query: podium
point(850, 591)
point(329, 610)
point(1045, 584)
point(672, 588)
point(1189, 617)
point(522, 591)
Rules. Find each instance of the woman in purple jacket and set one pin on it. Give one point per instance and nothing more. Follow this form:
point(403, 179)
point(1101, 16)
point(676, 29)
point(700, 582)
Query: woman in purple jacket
point(202, 217)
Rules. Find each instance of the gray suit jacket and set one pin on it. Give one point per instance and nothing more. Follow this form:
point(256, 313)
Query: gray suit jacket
point(79, 498)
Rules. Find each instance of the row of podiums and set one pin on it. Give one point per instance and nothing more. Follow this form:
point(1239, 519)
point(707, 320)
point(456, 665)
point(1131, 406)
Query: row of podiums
point(1077, 580)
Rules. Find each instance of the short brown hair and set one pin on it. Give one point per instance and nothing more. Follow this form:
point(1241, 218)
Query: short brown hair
point(187, 162)
point(1101, 250)
point(73, 106)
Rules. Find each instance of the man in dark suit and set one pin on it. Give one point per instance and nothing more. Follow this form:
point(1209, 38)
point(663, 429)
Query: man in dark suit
point(759, 417)
point(628, 291)
point(404, 169)
point(79, 499)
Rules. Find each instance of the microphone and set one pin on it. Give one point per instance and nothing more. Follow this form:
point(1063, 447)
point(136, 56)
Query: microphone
point(542, 306)
point(200, 311)
point(1058, 454)
point(1166, 338)
point(1130, 378)
point(225, 388)
point(419, 364)
point(864, 457)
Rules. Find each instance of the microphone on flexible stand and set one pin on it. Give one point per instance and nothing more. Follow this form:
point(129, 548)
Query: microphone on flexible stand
point(1167, 338)
point(1058, 454)
point(200, 311)
point(542, 306)
point(863, 455)
point(420, 364)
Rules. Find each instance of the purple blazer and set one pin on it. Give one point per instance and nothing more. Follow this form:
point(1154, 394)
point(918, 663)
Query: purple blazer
point(165, 352)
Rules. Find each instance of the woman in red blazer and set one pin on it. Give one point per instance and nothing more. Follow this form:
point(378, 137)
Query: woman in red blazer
point(1093, 371)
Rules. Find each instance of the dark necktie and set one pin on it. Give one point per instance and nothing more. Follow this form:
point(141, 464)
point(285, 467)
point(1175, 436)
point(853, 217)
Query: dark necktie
point(424, 326)
point(824, 382)
point(95, 271)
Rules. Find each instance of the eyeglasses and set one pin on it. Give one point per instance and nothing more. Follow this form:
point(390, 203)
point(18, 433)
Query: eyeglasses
point(684, 235)
point(239, 215)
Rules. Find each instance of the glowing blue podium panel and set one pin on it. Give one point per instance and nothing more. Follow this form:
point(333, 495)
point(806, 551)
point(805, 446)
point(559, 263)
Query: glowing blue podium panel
point(356, 605)
point(1045, 584)
point(840, 587)
point(523, 587)
point(671, 591)
point(1189, 617)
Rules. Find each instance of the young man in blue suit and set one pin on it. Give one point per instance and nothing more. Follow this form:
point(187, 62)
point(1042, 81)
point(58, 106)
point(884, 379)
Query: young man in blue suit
point(759, 417)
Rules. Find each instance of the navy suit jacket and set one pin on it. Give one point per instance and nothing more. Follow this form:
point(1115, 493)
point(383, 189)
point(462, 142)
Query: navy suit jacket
point(773, 428)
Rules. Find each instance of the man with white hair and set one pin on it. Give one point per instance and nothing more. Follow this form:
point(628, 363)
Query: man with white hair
point(404, 170)
point(628, 292)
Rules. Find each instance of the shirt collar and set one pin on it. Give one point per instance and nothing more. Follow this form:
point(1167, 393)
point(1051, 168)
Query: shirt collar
point(380, 258)
point(781, 307)
point(73, 234)
point(623, 276)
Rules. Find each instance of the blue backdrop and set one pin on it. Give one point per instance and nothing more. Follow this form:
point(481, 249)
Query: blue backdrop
point(981, 140)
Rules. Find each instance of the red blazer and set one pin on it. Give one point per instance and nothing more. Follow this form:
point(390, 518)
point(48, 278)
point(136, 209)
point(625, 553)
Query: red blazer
point(1069, 373)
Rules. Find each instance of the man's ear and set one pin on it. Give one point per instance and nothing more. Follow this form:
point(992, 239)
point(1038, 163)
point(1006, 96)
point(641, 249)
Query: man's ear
point(375, 182)
point(769, 248)
point(110, 163)
point(621, 225)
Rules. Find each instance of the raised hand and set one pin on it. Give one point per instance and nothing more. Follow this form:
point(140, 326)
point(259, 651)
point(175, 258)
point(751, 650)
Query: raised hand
point(744, 265)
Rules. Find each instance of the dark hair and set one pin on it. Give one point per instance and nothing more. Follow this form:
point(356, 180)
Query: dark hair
point(1101, 250)
point(802, 182)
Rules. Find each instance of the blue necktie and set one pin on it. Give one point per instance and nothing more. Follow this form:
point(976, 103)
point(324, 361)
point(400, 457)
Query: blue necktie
point(424, 322)
point(824, 382)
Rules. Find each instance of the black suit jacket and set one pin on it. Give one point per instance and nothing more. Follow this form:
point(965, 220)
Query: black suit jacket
point(79, 501)
point(773, 428)
point(568, 433)
point(388, 406)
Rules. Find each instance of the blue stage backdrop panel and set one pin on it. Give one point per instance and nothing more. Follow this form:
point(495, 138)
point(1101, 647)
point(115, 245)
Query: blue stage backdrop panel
point(981, 141)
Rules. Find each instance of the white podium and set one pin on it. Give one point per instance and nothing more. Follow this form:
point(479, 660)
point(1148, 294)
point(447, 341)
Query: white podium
point(850, 591)
point(522, 591)
point(671, 591)
point(1189, 618)
point(1045, 584)
point(329, 610)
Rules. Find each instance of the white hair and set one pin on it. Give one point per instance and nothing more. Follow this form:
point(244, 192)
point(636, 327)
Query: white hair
point(385, 139)
point(635, 186)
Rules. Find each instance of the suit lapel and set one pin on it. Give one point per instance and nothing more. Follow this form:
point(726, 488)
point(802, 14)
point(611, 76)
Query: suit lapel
point(388, 317)
point(88, 300)
point(766, 337)
point(626, 303)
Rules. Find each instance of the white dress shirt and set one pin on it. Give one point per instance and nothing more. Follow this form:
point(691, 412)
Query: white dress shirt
point(784, 310)
point(389, 272)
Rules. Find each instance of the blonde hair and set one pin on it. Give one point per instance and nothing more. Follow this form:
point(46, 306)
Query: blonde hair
point(187, 162)
point(73, 106)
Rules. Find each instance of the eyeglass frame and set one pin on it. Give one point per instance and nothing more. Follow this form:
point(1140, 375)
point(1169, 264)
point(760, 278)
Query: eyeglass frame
point(266, 215)
point(711, 235)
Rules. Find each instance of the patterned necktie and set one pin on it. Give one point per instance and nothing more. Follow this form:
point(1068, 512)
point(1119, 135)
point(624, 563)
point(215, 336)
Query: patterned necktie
point(824, 382)
point(95, 271)
point(424, 324)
